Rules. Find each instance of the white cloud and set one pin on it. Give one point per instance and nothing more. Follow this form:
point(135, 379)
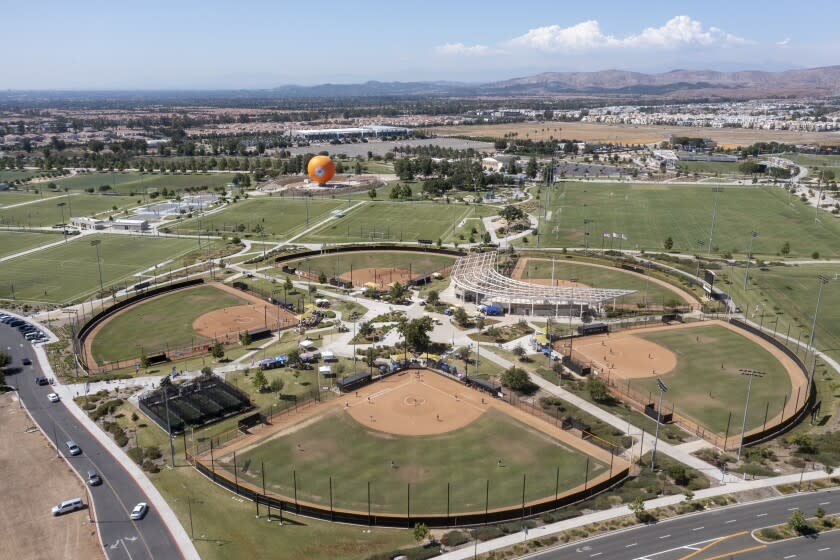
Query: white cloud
point(677, 32)
point(784, 42)
point(460, 49)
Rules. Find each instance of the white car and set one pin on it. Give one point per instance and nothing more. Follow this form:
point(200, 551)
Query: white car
point(139, 511)
point(52, 397)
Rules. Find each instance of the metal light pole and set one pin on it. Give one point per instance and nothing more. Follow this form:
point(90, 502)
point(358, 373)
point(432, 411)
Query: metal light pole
point(63, 228)
point(750, 373)
point(96, 243)
point(717, 191)
point(662, 389)
point(823, 280)
point(753, 235)
point(700, 244)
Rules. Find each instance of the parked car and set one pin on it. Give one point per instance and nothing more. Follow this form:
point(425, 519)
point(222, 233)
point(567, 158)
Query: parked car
point(67, 506)
point(139, 511)
point(72, 448)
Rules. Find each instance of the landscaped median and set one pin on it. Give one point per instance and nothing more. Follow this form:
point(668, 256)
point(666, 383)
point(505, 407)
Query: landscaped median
point(798, 526)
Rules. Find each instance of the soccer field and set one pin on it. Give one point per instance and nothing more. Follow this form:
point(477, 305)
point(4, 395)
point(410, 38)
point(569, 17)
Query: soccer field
point(279, 217)
point(47, 212)
point(68, 272)
point(707, 393)
point(15, 241)
point(128, 182)
point(339, 447)
point(648, 214)
point(152, 325)
point(397, 221)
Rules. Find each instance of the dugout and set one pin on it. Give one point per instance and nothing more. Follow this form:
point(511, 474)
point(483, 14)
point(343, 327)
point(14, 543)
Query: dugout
point(650, 410)
point(353, 382)
point(593, 328)
point(256, 334)
point(483, 385)
point(250, 421)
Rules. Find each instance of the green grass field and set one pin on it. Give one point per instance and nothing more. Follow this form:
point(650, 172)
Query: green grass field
point(46, 213)
point(703, 391)
point(787, 297)
point(709, 167)
point(68, 272)
point(14, 241)
point(338, 446)
point(8, 198)
point(396, 221)
point(648, 214)
point(815, 163)
point(161, 322)
point(280, 217)
point(333, 265)
point(128, 182)
point(9, 175)
point(597, 277)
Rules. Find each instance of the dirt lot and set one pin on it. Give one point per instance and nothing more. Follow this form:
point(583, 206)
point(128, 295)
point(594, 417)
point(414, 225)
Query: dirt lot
point(629, 134)
point(32, 481)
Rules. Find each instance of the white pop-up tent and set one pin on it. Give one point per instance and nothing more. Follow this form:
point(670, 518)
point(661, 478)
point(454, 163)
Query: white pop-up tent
point(325, 370)
point(306, 343)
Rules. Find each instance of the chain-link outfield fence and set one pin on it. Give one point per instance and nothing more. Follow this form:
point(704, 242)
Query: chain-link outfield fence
point(778, 415)
point(372, 501)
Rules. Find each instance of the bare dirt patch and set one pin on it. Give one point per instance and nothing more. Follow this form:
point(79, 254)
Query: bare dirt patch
point(33, 481)
point(382, 277)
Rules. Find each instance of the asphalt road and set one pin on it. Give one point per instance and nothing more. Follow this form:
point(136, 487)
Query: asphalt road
point(117, 495)
point(715, 535)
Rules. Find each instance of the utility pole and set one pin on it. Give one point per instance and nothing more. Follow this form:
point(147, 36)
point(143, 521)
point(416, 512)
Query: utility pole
point(753, 235)
point(750, 373)
point(662, 389)
point(63, 228)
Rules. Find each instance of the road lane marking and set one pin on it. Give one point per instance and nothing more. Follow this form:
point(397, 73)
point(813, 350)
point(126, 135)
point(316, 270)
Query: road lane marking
point(711, 544)
point(824, 503)
point(761, 515)
point(732, 554)
point(698, 528)
point(596, 554)
point(664, 537)
point(730, 521)
point(824, 549)
point(793, 509)
point(790, 556)
point(631, 545)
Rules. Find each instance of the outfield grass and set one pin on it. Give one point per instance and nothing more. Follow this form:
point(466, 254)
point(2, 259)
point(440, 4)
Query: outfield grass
point(710, 167)
point(225, 528)
point(337, 264)
point(46, 213)
point(279, 217)
point(395, 221)
point(15, 241)
point(161, 322)
point(352, 454)
point(703, 391)
point(68, 272)
point(597, 277)
point(648, 214)
point(132, 181)
point(815, 163)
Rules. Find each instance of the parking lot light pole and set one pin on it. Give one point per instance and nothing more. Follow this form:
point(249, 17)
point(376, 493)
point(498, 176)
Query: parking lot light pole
point(662, 389)
point(753, 235)
point(96, 243)
point(750, 373)
point(61, 205)
point(717, 191)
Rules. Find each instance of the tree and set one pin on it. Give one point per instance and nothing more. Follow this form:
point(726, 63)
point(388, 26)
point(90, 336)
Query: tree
point(519, 352)
point(5, 359)
point(259, 380)
point(511, 213)
point(785, 250)
point(288, 284)
point(798, 523)
point(689, 495)
point(433, 297)
point(517, 379)
point(637, 506)
point(294, 357)
point(416, 333)
point(597, 389)
point(245, 338)
point(815, 255)
point(217, 351)
point(420, 532)
point(485, 237)
point(669, 243)
point(322, 278)
point(531, 168)
point(461, 317)
point(372, 193)
point(397, 292)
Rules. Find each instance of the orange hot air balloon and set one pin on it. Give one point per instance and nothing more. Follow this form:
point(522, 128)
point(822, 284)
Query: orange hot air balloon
point(321, 169)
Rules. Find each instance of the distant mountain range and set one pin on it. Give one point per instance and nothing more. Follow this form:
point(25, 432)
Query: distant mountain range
point(676, 83)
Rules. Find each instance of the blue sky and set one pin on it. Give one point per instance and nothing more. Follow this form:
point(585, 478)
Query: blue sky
point(249, 44)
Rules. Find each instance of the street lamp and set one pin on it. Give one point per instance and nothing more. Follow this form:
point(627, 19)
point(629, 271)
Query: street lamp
point(717, 191)
point(662, 389)
point(823, 280)
point(753, 235)
point(750, 373)
point(700, 244)
point(96, 243)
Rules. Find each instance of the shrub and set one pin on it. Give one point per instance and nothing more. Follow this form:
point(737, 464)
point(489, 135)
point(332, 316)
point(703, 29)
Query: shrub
point(151, 467)
point(153, 452)
point(487, 533)
point(136, 455)
point(454, 538)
